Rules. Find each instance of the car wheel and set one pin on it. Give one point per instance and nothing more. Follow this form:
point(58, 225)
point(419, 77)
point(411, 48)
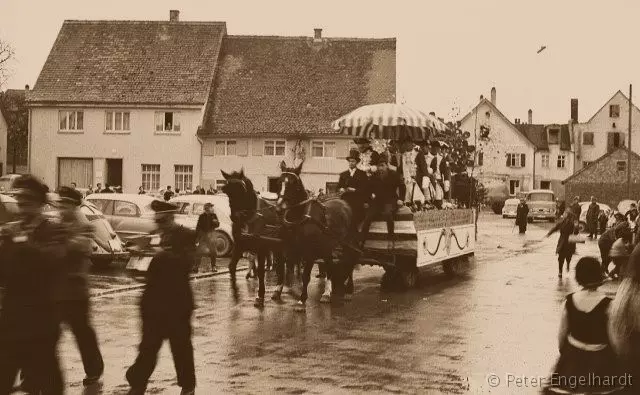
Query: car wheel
point(224, 245)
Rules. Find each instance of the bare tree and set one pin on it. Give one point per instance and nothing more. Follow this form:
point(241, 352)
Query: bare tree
point(6, 54)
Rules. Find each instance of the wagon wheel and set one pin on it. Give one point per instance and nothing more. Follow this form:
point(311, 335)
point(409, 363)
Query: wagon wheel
point(456, 267)
point(408, 277)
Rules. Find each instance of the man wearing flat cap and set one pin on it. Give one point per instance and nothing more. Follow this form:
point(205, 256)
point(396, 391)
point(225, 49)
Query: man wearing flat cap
point(167, 304)
point(31, 254)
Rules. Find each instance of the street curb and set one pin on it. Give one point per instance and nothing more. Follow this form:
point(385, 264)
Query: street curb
point(134, 287)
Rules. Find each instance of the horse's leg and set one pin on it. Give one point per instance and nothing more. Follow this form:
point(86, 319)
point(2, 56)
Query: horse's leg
point(260, 272)
point(306, 277)
point(292, 261)
point(280, 271)
point(348, 292)
point(331, 278)
point(233, 263)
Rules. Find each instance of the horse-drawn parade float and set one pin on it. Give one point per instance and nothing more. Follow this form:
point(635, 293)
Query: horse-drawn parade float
point(300, 231)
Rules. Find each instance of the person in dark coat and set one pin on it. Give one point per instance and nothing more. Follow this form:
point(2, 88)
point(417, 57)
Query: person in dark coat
point(385, 190)
point(592, 218)
point(575, 207)
point(31, 253)
point(167, 305)
point(207, 223)
point(210, 191)
point(632, 213)
point(141, 191)
point(352, 184)
point(560, 207)
point(606, 242)
point(168, 194)
point(567, 226)
point(74, 291)
point(522, 213)
point(602, 221)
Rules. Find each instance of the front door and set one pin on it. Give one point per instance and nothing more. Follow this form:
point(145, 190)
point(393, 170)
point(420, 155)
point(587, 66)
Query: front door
point(114, 172)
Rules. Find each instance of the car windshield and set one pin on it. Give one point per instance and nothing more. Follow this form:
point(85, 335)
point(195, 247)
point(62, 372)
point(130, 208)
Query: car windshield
point(541, 197)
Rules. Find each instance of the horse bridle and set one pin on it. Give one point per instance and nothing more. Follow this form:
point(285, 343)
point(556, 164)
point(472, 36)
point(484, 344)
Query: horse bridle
point(238, 181)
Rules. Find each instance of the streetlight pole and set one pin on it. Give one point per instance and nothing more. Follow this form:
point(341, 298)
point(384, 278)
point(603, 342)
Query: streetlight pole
point(629, 151)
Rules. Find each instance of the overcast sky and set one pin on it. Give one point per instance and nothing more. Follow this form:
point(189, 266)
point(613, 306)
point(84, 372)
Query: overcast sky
point(448, 52)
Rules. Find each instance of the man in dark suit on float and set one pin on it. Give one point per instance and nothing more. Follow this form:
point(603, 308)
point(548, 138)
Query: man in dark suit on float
point(352, 185)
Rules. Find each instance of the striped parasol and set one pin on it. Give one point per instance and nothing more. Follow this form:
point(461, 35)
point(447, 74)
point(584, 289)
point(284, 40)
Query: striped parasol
point(388, 121)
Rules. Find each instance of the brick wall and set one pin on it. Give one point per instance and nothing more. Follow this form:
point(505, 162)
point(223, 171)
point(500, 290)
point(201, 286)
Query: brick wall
point(604, 181)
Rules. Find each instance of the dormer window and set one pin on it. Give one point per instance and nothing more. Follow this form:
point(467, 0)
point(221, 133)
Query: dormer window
point(554, 136)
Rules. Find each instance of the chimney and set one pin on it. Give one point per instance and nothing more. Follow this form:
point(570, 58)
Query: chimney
point(493, 95)
point(517, 121)
point(317, 34)
point(574, 110)
point(530, 117)
point(174, 16)
point(26, 87)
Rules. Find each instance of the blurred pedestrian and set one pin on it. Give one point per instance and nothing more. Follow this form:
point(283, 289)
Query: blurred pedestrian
point(168, 194)
point(592, 218)
point(583, 338)
point(211, 190)
point(74, 185)
point(74, 292)
point(606, 242)
point(31, 253)
point(89, 190)
point(522, 216)
point(624, 325)
point(602, 221)
point(205, 236)
point(560, 207)
point(107, 189)
point(620, 251)
point(196, 191)
point(575, 207)
point(141, 190)
point(632, 213)
point(566, 247)
point(167, 305)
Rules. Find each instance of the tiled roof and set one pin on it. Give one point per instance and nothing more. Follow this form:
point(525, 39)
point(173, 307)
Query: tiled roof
point(537, 134)
point(293, 85)
point(130, 62)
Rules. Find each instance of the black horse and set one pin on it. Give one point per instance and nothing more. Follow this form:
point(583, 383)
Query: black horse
point(315, 230)
point(256, 228)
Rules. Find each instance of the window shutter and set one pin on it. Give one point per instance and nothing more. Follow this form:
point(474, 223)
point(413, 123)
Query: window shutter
point(480, 158)
point(159, 121)
point(257, 147)
point(209, 147)
point(610, 137)
point(176, 121)
point(242, 147)
point(522, 160)
point(508, 160)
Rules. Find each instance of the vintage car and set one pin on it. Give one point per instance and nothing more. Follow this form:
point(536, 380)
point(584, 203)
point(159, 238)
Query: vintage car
point(584, 206)
point(191, 206)
point(509, 209)
point(131, 216)
point(542, 205)
point(107, 247)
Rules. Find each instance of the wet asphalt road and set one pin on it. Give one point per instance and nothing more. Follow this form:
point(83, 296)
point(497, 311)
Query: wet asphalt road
point(447, 336)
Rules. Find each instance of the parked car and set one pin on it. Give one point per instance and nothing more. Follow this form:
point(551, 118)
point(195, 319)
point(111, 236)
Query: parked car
point(130, 215)
point(509, 209)
point(542, 205)
point(6, 182)
point(191, 206)
point(584, 206)
point(107, 246)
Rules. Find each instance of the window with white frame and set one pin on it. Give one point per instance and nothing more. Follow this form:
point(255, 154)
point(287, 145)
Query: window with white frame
point(545, 160)
point(167, 121)
point(117, 121)
point(515, 160)
point(514, 187)
point(226, 148)
point(71, 120)
point(562, 159)
point(184, 177)
point(323, 149)
point(150, 177)
point(274, 147)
